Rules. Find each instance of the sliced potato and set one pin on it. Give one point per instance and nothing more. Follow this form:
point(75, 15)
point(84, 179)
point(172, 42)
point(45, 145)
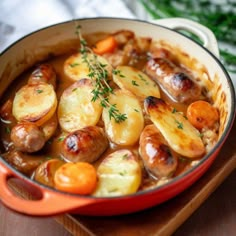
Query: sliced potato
point(118, 174)
point(128, 131)
point(35, 103)
point(76, 108)
point(176, 129)
point(135, 81)
point(75, 67)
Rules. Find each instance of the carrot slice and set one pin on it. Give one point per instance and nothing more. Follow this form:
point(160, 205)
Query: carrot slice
point(202, 114)
point(106, 45)
point(79, 178)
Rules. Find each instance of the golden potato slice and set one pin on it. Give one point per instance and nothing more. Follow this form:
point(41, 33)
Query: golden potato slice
point(135, 81)
point(176, 129)
point(118, 174)
point(35, 103)
point(75, 67)
point(76, 108)
point(128, 131)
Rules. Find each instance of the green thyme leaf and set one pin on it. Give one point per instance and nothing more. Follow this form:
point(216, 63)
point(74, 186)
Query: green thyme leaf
point(60, 139)
point(39, 90)
point(174, 110)
point(74, 64)
point(99, 76)
point(179, 124)
point(134, 83)
point(7, 130)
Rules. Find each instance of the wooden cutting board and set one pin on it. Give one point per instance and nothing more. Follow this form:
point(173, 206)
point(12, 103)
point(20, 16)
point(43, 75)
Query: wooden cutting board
point(165, 218)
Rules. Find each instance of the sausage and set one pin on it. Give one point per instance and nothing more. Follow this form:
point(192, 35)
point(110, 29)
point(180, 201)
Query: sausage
point(27, 137)
point(45, 172)
point(49, 127)
point(123, 36)
point(174, 81)
point(43, 73)
point(157, 157)
point(6, 112)
point(23, 162)
point(86, 144)
point(119, 56)
point(159, 52)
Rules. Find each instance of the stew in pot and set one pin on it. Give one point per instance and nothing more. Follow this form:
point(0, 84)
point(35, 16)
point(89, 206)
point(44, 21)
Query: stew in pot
point(122, 114)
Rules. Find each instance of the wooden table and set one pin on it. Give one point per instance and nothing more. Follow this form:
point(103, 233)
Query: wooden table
point(216, 216)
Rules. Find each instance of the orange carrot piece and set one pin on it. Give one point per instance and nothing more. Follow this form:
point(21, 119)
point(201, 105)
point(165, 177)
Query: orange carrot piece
point(79, 178)
point(202, 114)
point(106, 45)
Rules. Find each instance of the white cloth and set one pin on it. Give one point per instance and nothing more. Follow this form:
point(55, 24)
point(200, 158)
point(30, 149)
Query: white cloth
point(20, 17)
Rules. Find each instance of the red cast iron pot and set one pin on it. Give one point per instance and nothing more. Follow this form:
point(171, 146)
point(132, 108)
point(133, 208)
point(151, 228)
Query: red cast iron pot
point(57, 39)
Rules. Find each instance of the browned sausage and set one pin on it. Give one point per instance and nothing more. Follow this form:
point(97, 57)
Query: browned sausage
point(27, 137)
point(43, 73)
point(49, 127)
point(23, 162)
point(176, 83)
point(46, 171)
point(6, 111)
point(86, 144)
point(157, 157)
point(119, 56)
point(123, 36)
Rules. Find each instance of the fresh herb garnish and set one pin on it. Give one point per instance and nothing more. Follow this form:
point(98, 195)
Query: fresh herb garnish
point(113, 190)
point(124, 172)
point(200, 135)
point(134, 83)
point(99, 76)
point(117, 72)
point(144, 80)
point(60, 139)
point(74, 64)
point(125, 157)
point(39, 90)
point(7, 130)
point(179, 124)
point(174, 110)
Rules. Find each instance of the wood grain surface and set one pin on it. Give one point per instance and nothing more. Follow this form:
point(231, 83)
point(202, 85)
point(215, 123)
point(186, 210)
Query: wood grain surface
point(183, 215)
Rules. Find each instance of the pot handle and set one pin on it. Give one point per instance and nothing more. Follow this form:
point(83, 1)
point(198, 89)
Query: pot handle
point(204, 33)
point(50, 203)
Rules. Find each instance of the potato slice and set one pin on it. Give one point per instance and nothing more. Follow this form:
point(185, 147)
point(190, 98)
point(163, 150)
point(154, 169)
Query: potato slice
point(35, 103)
point(128, 131)
point(76, 108)
point(75, 67)
point(118, 174)
point(176, 129)
point(135, 81)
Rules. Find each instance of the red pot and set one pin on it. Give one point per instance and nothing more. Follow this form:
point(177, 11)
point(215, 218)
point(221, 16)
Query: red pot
point(36, 46)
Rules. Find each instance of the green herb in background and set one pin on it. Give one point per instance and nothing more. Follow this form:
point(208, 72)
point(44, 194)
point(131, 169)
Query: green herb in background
point(218, 16)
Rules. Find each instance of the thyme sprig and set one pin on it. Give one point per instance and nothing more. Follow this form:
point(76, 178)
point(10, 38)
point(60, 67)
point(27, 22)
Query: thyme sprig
point(99, 76)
